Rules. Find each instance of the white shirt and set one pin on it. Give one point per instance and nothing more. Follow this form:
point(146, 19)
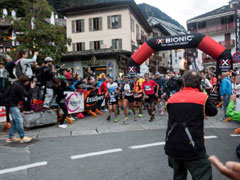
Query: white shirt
point(127, 90)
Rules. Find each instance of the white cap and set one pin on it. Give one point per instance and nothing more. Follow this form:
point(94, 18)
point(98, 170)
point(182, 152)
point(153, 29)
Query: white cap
point(47, 59)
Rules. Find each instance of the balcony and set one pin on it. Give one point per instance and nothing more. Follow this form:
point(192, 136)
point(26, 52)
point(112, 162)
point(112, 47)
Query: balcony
point(228, 44)
point(215, 28)
point(141, 39)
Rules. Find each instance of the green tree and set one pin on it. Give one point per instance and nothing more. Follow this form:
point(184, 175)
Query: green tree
point(48, 39)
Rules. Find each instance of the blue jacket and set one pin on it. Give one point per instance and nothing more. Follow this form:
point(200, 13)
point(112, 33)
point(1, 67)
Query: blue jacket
point(226, 87)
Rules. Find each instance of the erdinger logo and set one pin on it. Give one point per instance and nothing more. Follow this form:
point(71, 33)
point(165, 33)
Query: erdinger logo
point(132, 69)
point(225, 62)
point(94, 99)
point(174, 40)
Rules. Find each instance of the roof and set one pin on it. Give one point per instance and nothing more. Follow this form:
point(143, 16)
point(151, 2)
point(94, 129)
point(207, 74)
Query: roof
point(59, 21)
point(5, 22)
point(96, 52)
point(116, 4)
point(220, 10)
point(167, 27)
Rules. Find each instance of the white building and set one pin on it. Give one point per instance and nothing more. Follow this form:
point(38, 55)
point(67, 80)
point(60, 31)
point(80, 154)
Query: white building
point(104, 36)
point(219, 24)
point(166, 59)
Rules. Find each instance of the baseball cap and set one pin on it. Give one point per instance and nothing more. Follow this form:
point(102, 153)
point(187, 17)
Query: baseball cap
point(47, 59)
point(157, 73)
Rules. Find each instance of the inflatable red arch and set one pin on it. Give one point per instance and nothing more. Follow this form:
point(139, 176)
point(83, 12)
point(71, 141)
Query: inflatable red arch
point(197, 40)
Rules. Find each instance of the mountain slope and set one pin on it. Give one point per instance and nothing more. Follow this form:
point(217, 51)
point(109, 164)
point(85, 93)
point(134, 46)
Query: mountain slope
point(149, 10)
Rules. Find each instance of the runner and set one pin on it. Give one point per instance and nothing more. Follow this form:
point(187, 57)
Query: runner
point(128, 98)
point(138, 94)
point(173, 85)
point(112, 90)
point(148, 92)
point(161, 82)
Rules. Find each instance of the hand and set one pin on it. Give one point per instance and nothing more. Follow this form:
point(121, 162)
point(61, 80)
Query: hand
point(156, 94)
point(162, 96)
point(230, 170)
point(33, 84)
point(146, 97)
point(222, 98)
point(36, 53)
point(233, 98)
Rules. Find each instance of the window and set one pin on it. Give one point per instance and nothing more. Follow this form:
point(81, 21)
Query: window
point(95, 45)
point(227, 37)
point(114, 22)
point(227, 20)
point(95, 24)
point(117, 43)
point(78, 46)
point(202, 25)
point(132, 25)
point(137, 32)
point(78, 26)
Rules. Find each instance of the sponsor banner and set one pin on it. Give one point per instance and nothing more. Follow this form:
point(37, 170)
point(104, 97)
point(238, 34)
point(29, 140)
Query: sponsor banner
point(214, 93)
point(74, 102)
point(224, 65)
point(93, 100)
point(237, 27)
point(175, 41)
point(2, 114)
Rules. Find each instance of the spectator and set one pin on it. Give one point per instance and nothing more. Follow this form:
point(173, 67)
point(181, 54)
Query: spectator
point(225, 92)
point(17, 92)
point(3, 76)
point(59, 89)
point(48, 75)
point(184, 137)
point(233, 109)
point(10, 65)
point(207, 86)
point(26, 63)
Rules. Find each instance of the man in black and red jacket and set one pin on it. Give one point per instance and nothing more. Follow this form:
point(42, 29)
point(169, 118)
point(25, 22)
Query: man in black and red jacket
point(185, 136)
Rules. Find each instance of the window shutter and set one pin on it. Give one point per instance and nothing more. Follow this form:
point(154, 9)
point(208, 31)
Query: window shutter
point(73, 46)
point(83, 46)
point(90, 24)
point(109, 22)
point(101, 43)
point(100, 23)
point(73, 26)
point(119, 21)
point(120, 43)
point(82, 25)
point(91, 45)
point(113, 43)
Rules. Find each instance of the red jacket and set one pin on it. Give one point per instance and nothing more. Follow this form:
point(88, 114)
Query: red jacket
point(103, 88)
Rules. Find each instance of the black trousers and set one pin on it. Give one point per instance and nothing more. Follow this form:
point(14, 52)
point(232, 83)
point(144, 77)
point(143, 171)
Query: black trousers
point(65, 112)
point(200, 169)
point(28, 100)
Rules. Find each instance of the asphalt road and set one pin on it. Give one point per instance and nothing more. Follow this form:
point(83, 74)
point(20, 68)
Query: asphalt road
point(113, 156)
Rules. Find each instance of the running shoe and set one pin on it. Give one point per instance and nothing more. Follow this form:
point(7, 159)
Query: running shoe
point(161, 112)
point(135, 118)
point(140, 115)
point(125, 121)
point(62, 126)
point(25, 140)
point(14, 139)
point(116, 120)
point(108, 118)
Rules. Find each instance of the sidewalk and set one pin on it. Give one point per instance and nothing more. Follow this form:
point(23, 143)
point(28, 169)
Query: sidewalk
point(90, 126)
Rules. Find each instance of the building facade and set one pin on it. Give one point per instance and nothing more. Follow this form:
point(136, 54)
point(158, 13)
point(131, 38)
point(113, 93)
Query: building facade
point(104, 36)
point(219, 24)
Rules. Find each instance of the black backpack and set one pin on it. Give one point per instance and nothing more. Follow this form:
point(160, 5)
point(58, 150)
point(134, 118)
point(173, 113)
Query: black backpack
point(4, 101)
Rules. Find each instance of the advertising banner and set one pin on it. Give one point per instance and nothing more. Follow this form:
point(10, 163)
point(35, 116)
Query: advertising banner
point(237, 27)
point(224, 65)
point(93, 100)
point(214, 93)
point(74, 102)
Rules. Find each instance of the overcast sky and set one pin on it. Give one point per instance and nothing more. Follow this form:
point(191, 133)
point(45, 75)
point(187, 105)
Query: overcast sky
point(182, 10)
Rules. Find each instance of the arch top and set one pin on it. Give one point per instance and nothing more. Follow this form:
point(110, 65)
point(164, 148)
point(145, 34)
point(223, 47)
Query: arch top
point(196, 40)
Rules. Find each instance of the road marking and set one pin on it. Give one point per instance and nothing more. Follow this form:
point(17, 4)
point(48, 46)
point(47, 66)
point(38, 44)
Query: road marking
point(95, 153)
point(147, 145)
point(19, 168)
point(234, 135)
point(210, 137)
